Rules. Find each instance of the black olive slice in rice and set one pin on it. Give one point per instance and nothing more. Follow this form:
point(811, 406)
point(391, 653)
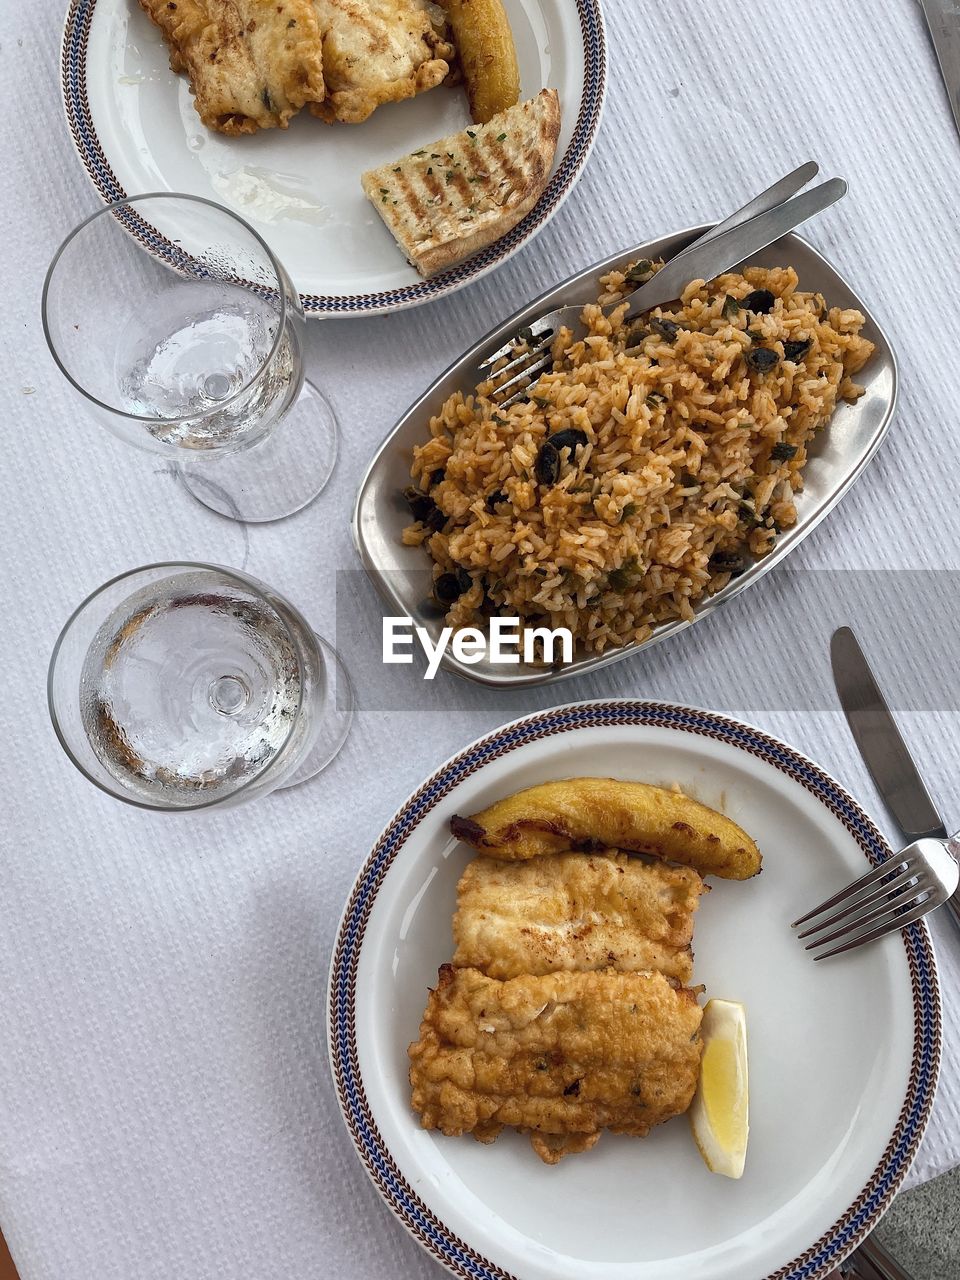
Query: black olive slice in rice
point(795, 351)
point(547, 466)
point(762, 359)
point(571, 438)
point(667, 329)
point(760, 302)
point(733, 561)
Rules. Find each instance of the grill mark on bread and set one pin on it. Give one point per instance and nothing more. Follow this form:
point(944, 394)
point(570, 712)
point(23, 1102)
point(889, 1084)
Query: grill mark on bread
point(432, 182)
point(458, 180)
point(500, 158)
point(407, 192)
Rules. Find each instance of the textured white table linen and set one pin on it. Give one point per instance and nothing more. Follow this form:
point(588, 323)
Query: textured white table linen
point(165, 1103)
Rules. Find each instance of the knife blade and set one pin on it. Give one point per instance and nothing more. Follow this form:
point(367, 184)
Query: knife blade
point(882, 746)
point(943, 19)
point(880, 741)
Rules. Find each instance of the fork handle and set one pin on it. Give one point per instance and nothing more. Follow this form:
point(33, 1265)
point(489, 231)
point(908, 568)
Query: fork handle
point(781, 190)
point(726, 250)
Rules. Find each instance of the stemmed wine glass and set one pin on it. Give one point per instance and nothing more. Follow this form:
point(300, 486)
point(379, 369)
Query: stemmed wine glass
point(177, 323)
point(184, 686)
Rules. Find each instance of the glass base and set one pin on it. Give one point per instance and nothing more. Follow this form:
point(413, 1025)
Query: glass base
point(277, 477)
point(336, 717)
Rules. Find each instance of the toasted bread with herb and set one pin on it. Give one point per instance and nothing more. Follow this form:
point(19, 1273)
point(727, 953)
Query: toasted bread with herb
point(452, 198)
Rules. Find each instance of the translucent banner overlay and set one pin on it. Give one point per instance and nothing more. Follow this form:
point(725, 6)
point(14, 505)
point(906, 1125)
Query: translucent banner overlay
point(768, 648)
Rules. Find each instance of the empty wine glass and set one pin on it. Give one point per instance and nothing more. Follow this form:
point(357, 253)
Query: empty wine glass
point(177, 323)
point(183, 686)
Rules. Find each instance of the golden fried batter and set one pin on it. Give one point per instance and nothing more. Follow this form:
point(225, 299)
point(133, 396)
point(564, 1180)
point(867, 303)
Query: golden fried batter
point(567, 911)
point(377, 51)
point(252, 64)
point(592, 813)
point(562, 1056)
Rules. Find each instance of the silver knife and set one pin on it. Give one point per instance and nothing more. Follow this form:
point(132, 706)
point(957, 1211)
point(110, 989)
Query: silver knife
point(872, 1262)
point(883, 748)
point(712, 256)
point(943, 19)
point(882, 1265)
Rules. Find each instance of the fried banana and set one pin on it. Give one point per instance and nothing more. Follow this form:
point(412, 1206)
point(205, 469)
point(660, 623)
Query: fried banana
point(251, 64)
point(575, 911)
point(488, 55)
point(598, 813)
point(561, 1056)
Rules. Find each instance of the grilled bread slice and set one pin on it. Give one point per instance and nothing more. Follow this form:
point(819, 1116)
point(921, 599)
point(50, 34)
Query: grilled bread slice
point(452, 198)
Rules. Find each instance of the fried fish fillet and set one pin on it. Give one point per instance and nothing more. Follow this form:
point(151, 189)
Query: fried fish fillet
point(598, 813)
point(377, 51)
point(562, 1056)
point(252, 64)
point(567, 911)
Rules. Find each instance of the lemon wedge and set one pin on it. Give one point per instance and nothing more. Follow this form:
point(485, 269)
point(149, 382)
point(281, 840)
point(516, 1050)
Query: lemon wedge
point(719, 1113)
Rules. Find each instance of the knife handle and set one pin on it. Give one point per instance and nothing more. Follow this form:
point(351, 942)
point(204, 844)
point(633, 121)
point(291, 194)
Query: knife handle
point(780, 192)
point(725, 251)
point(881, 1264)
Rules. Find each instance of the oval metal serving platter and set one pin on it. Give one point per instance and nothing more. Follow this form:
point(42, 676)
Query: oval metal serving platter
point(837, 457)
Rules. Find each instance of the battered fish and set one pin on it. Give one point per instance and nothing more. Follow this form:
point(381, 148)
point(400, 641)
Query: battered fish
point(561, 1056)
point(377, 51)
point(252, 64)
point(597, 813)
point(568, 911)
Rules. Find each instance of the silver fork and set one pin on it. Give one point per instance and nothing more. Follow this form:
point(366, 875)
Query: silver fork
point(763, 220)
point(899, 892)
point(531, 342)
point(774, 195)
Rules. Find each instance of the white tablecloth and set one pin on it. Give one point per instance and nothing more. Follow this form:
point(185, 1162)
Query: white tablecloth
point(165, 1103)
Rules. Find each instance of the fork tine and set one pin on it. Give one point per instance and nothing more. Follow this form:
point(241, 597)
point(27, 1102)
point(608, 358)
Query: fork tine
point(494, 356)
point(516, 398)
point(520, 395)
point(523, 381)
point(537, 339)
point(899, 922)
point(849, 910)
point(865, 882)
point(905, 891)
point(518, 365)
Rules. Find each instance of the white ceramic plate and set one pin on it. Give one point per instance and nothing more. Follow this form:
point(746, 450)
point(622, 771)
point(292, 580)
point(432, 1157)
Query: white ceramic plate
point(843, 1055)
point(136, 130)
